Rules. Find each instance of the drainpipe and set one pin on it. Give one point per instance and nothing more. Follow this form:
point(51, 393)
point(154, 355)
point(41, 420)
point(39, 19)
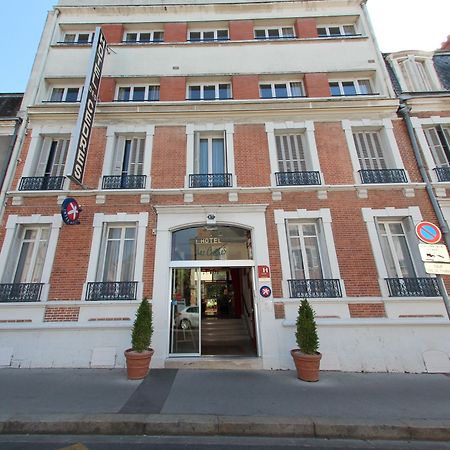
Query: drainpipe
point(404, 111)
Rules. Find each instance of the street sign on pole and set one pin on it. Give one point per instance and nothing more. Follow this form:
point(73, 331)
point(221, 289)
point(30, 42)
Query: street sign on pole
point(428, 232)
point(437, 268)
point(436, 253)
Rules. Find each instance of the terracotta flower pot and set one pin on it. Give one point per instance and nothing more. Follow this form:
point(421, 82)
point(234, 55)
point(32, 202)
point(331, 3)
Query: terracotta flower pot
point(308, 366)
point(138, 363)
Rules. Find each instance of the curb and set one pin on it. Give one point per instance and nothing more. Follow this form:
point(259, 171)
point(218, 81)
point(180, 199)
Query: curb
point(158, 424)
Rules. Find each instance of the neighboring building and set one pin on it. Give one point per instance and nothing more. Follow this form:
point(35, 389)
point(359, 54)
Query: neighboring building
point(9, 127)
point(244, 155)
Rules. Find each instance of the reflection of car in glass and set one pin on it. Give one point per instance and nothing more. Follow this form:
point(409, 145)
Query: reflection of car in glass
point(187, 318)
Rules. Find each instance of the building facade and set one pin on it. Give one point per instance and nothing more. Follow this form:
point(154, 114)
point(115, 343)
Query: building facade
point(244, 155)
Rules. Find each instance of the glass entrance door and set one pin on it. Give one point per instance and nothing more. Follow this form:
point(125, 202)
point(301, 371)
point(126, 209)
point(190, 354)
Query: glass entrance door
point(185, 312)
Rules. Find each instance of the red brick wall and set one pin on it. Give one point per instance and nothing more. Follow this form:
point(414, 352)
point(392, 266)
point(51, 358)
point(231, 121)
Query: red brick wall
point(316, 85)
point(107, 89)
point(113, 33)
point(61, 314)
point(366, 310)
point(22, 158)
point(245, 87)
point(306, 28)
point(173, 89)
point(241, 30)
point(175, 32)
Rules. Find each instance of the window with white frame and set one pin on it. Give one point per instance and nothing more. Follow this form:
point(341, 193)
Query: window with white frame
point(374, 151)
point(336, 30)
point(145, 93)
point(438, 140)
point(208, 35)
point(117, 257)
point(213, 91)
point(142, 37)
point(306, 245)
point(128, 164)
point(66, 94)
point(27, 256)
point(81, 37)
point(48, 172)
point(350, 87)
point(274, 33)
point(394, 244)
point(280, 89)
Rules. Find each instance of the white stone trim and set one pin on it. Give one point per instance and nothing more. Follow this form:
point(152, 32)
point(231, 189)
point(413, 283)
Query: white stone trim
point(370, 215)
point(324, 215)
point(141, 219)
point(308, 128)
point(112, 134)
point(11, 227)
point(390, 148)
point(191, 129)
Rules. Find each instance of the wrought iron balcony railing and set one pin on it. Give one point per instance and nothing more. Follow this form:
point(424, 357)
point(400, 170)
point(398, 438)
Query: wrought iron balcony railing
point(124, 182)
point(317, 288)
point(210, 180)
point(297, 178)
point(41, 183)
point(413, 287)
point(383, 176)
point(20, 292)
point(443, 173)
point(111, 290)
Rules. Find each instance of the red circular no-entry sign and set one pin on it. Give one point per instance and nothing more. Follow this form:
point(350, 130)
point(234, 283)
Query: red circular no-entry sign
point(428, 232)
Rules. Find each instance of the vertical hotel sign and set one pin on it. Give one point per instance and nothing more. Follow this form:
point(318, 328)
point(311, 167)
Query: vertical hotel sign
point(83, 128)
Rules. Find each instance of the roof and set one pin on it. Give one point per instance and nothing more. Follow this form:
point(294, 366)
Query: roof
point(10, 104)
point(442, 65)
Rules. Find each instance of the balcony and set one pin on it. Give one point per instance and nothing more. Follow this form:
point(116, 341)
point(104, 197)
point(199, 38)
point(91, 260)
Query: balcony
point(124, 182)
point(413, 287)
point(207, 180)
point(443, 173)
point(297, 178)
point(319, 288)
point(20, 292)
point(383, 176)
point(41, 183)
point(111, 290)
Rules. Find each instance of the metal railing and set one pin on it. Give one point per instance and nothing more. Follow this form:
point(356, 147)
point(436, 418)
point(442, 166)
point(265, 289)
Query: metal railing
point(383, 176)
point(443, 173)
point(413, 287)
point(124, 182)
point(297, 178)
point(20, 292)
point(41, 183)
point(210, 180)
point(315, 288)
point(111, 290)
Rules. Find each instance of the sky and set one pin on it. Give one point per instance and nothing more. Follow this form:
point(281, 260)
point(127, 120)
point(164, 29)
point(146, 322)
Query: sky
point(398, 25)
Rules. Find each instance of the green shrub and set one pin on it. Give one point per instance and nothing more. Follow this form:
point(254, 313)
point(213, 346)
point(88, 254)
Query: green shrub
point(306, 334)
point(142, 331)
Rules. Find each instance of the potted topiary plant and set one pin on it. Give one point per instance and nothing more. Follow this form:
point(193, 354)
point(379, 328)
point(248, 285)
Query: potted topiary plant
point(306, 357)
point(139, 355)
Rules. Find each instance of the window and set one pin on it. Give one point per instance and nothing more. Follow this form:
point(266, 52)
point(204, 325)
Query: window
point(415, 75)
point(66, 94)
point(48, 173)
point(274, 33)
point(26, 257)
point(217, 91)
point(438, 139)
point(336, 30)
point(138, 93)
point(208, 35)
point(78, 38)
point(117, 257)
point(143, 37)
point(309, 262)
point(348, 88)
point(128, 165)
point(281, 89)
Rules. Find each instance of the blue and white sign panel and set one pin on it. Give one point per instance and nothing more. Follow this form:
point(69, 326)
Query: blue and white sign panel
point(265, 291)
point(428, 232)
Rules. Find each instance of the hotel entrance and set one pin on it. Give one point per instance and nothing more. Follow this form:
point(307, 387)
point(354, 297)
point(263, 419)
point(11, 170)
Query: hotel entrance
point(212, 309)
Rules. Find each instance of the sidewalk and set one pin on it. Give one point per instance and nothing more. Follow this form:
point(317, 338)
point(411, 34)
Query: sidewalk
point(210, 402)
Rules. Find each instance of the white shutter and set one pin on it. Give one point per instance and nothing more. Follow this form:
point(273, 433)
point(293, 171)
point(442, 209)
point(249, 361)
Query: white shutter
point(291, 152)
point(43, 158)
point(118, 156)
point(136, 162)
point(436, 147)
point(369, 150)
point(59, 158)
